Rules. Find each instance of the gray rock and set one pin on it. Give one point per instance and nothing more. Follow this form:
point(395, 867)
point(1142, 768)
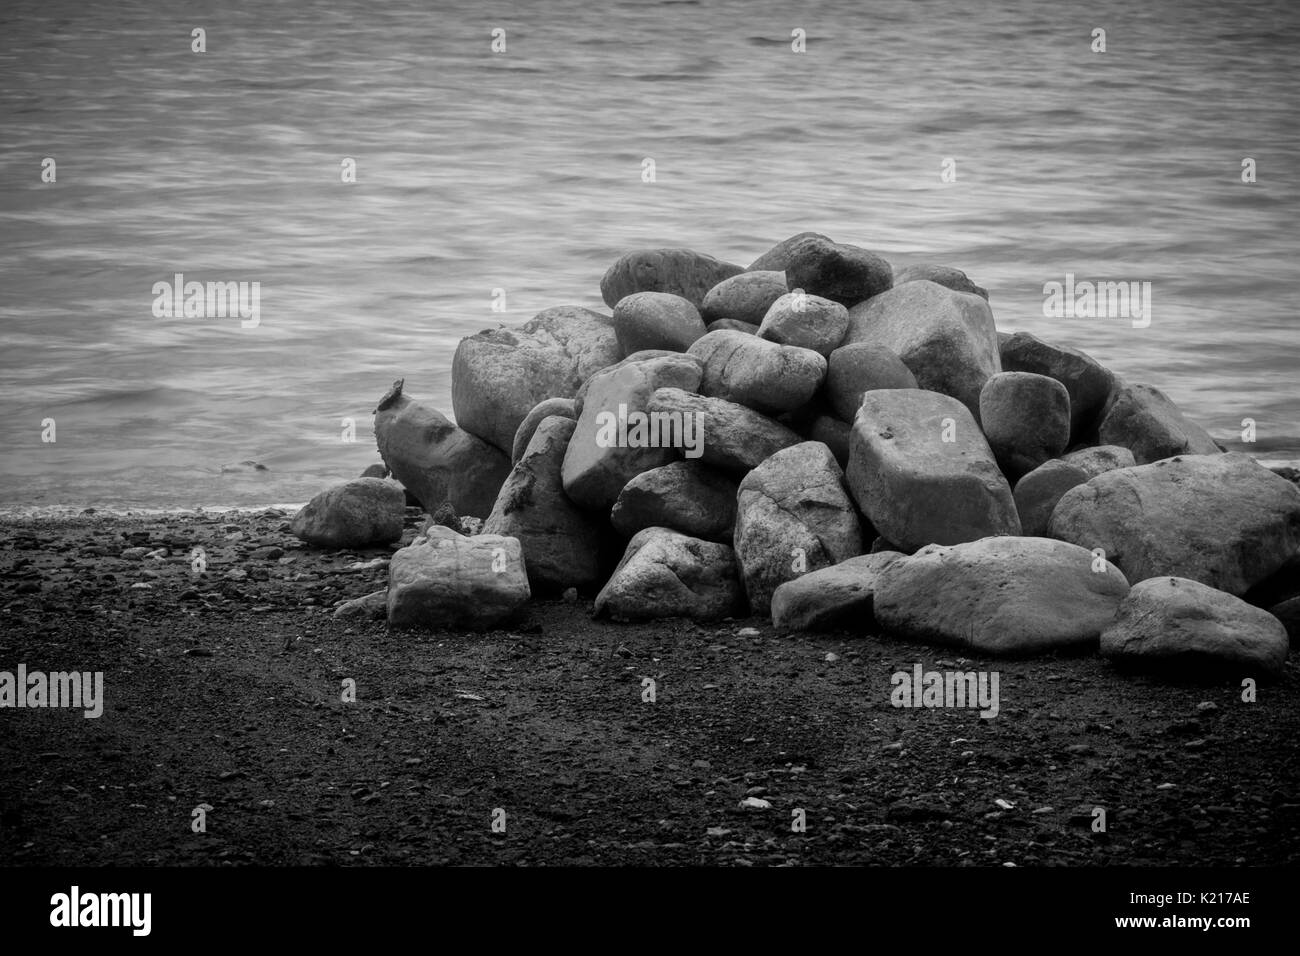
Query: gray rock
point(793, 515)
point(762, 375)
point(1002, 595)
point(732, 325)
point(356, 514)
point(946, 338)
point(371, 607)
point(499, 375)
point(641, 356)
point(915, 487)
point(946, 276)
point(858, 368)
point(685, 496)
point(1100, 459)
point(1038, 493)
point(677, 271)
point(665, 574)
point(1288, 612)
point(379, 470)
point(656, 320)
point(1087, 382)
point(1223, 520)
point(1175, 624)
point(445, 580)
point(561, 543)
point(839, 597)
point(1026, 419)
point(598, 463)
point(1144, 420)
point(843, 273)
point(736, 438)
point(777, 258)
point(561, 407)
point(435, 460)
point(745, 297)
point(805, 321)
point(834, 434)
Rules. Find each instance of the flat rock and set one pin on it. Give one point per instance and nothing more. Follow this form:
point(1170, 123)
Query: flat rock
point(754, 372)
point(656, 320)
point(745, 297)
point(839, 597)
point(370, 607)
point(356, 514)
point(598, 462)
point(736, 438)
point(445, 580)
point(793, 515)
point(561, 542)
point(686, 496)
point(666, 574)
point(915, 487)
point(1144, 420)
point(435, 460)
point(1001, 595)
point(1223, 520)
point(678, 271)
point(1178, 625)
point(1026, 419)
point(499, 375)
point(946, 338)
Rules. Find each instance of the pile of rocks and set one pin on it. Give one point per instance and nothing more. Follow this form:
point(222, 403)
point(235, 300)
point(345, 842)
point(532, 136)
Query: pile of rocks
point(832, 443)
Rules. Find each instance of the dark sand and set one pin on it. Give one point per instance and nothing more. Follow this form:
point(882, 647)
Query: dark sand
point(226, 692)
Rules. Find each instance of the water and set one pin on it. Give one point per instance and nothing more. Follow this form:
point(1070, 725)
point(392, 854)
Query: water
point(522, 171)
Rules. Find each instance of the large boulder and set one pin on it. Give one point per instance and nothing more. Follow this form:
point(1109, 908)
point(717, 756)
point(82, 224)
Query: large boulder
point(946, 276)
point(678, 271)
point(777, 258)
point(805, 321)
point(736, 438)
point(1223, 520)
point(793, 515)
point(843, 273)
point(1179, 625)
point(445, 580)
point(435, 460)
point(1026, 419)
point(839, 597)
point(499, 375)
point(946, 338)
point(1037, 493)
point(1100, 459)
point(763, 375)
point(561, 542)
point(632, 359)
point(656, 320)
point(745, 297)
point(608, 449)
point(922, 473)
point(1084, 378)
point(1144, 420)
point(858, 368)
point(685, 496)
point(1004, 595)
point(666, 574)
point(355, 514)
point(561, 407)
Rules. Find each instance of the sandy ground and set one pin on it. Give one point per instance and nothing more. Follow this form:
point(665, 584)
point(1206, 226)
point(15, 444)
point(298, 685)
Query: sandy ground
point(224, 690)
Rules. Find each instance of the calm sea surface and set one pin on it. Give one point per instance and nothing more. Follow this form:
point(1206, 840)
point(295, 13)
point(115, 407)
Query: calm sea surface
point(522, 171)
